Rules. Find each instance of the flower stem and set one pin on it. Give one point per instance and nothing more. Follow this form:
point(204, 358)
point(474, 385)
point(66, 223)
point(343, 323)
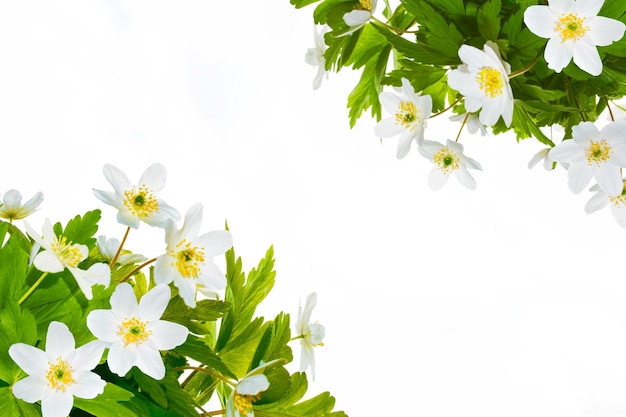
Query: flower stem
point(447, 108)
point(606, 100)
point(206, 371)
point(458, 135)
point(119, 250)
point(137, 269)
point(395, 29)
point(527, 67)
point(31, 289)
point(214, 413)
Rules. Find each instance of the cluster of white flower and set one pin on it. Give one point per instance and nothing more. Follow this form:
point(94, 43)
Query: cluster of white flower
point(131, 330)
point(573, 31)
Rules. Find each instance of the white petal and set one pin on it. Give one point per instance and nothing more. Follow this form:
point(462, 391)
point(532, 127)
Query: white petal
point(153, 304)
point(404, 145)
point(187, 290)
point(154, 177)
point(57, 404)
point(31, 388)
point(540, 21)
point(252, 385)
point(465, 178)
point(578, 176)
point(587, 58)
point(193, 221)
point(160, 217)
point(610, 179)
point(88, 384)
point(81, 279)
point(163, 271)
point(389, 101)
point(121, 358)
point(149, 361)
point(47, 261)
point(614, 132)
point(211, 276)
point(59, 340)
point(597, 202)
point(310, 304)
point(99, 273)
point(307, 358)
point(437, 179)
point(117, 179)
point(33, 361)
point(88, 356)
point(558, 54)
point(123, 301)
point(604, 31)
point(166, 335)
point(388, 128)
point(104, 325)
point(589, 7)
point(357, 17)
point(619, 213)
point(31, 204)
point(109, 198)
point(216, 242)
point(566, 151)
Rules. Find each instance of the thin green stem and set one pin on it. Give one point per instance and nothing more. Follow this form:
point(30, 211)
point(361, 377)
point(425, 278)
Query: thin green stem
point(395, 29)
point(573, 96)
point(447, 108)
point(206, 371)
point(214, 413)
point(608, 106)
point(458, 135)
point(137, 269)
point(119, 250)
point(31, 289)
point(527, 67)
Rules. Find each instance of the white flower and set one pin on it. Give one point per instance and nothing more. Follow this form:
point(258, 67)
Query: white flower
point(188, 260)
point(59, 254)
point(358, 17)
point(315, 56)
point(133, 331)
point(410, 112)
point(484, 81)
point(448, 160)
point(60, 373)
point(540, 156)
point(310, 334)
point(109, 247)
point(239, 403)
point(573, 31)
point(593, 153)
point(473, 123)
point(140, 202)
point(601, 199)
point(13, 209)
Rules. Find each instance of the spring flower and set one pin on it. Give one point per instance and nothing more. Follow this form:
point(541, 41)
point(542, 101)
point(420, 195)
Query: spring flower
point(601, 199)
point(448, 160)
point(310, 334)
point(484, 81)
point(59, 254)
point(315, 56)
point(410, 112)
point(13, 209)
point(60, 373)
point(133, 331)
point(573, 30)
point(358, 17)
point(248, 390)
point(140, 202)
point(540, 156)
point(594, 153)
point(188, 260)
point(109, 247)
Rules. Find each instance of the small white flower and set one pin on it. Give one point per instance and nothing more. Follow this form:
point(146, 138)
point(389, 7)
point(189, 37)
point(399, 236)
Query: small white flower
point(239, 403)
point(60, 373)
point(59, 254)
point(109, 247)
point(540, 156)
point(573, 30)
point(594, 153)
point(473, 123)
point(484, 81)
point(410, 112)
point(358, 17)
point(138, 203)
point(133, 331)
point(13, 209)
point(448, 160)
point(188, 259)
point(315, 56)
point(310, 334)
point(601, 199)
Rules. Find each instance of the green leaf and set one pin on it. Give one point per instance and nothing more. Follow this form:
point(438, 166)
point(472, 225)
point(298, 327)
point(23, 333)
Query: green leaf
point(17, 325)
point(489, 19)
point(81, 229)
point(365, 94)
point(301, 3)
point(13, 267)
point(192, 318)
point(12, 407)
point(107, 404)
point(195, 349)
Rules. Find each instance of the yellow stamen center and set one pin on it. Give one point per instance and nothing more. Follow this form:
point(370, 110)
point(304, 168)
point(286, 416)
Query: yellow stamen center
point(68, 254)
point(619, 200)
point(408, 115)
point(571, 26)
point(598, 153)
point(59, 375)
point(365, 5)
point(188, 259)
point(243, 403)
point(134, 331)
point(141, 202)
point(490, 81)
point(446, 161)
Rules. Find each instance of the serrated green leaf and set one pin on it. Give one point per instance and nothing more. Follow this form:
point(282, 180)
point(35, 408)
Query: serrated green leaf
point(365, 94)
point(82, 229)
point(301, 3)
point(194, 349)
point(489, 19)
point(12, 407)
point(107, 404)
point(192, 318)
point(17, 325)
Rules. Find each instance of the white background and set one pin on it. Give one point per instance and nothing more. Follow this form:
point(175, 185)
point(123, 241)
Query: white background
point(504, 301)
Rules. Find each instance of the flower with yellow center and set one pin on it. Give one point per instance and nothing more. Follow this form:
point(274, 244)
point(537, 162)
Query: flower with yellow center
point(188, 258)
point(409, 111)
point(138, 203)
point(60, 254)
point(601, 199)
point(359, 16)
point(309, 334)
point(248, 390)
point(448, 159)
point(60, 373)
point(133, 331)
point(12, 208)
point(594, 153)
point(573, 30)
point(483, 80)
